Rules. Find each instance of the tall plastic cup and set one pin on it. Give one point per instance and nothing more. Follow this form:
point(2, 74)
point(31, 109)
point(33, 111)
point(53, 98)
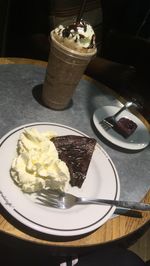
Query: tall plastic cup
point(64, 71)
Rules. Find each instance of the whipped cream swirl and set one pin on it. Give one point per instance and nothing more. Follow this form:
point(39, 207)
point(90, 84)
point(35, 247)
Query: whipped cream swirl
point(76, 36)
point(37, 164)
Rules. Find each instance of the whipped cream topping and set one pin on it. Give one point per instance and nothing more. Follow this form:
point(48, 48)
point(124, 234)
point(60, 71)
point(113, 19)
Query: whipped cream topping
point(37, 165)
point(76, 36)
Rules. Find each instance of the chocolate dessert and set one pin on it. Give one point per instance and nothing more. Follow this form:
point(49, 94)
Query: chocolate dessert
point(125, 127)
point(76, 152)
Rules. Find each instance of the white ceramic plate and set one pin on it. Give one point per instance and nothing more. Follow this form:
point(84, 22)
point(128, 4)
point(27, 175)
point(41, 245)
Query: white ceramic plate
point(138, 140)
point(102, 181)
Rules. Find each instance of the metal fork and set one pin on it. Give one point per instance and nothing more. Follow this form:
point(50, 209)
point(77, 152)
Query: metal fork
point(110, 121)
point(62, 200)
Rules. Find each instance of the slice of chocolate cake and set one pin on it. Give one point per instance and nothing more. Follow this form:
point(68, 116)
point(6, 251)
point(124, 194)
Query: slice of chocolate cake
point(76, 152)
point(125, 127)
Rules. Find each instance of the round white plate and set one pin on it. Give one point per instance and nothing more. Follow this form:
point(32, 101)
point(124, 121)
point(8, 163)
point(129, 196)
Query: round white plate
point(102, 182)
point(138, 140)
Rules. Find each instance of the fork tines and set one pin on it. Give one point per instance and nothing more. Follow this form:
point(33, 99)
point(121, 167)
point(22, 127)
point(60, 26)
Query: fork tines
point(49, 198)
point(105, 124)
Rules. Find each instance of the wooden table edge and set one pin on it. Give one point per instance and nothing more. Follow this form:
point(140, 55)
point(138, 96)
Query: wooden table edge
point(116, 228)
point(17, 60)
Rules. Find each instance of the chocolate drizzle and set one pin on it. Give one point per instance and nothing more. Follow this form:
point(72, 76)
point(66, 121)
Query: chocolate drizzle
point(73, 29)
point(92, 41)
point(66, 32)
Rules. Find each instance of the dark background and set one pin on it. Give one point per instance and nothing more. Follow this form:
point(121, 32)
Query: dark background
point(26, 18)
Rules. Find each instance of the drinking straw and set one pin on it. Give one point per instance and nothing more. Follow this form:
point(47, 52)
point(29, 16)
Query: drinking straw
point(81, 11)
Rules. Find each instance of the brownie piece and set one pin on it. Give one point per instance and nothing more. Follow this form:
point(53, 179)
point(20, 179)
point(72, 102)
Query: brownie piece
point(76, 152)
point(125, 127)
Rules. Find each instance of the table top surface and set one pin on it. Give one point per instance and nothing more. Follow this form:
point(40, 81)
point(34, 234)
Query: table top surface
point(30, 73)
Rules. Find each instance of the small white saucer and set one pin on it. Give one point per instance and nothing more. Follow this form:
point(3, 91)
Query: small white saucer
point(137, 141)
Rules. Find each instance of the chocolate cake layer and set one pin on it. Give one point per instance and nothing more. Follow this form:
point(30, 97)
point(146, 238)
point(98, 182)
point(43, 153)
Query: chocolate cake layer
point(125, 127)
point(76, 152)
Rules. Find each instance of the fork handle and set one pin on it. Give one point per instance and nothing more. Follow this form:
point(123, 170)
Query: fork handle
point(127, 105)
point(119, 203)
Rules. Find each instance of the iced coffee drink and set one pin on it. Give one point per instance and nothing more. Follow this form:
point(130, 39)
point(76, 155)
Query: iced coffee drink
point(72, 48)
